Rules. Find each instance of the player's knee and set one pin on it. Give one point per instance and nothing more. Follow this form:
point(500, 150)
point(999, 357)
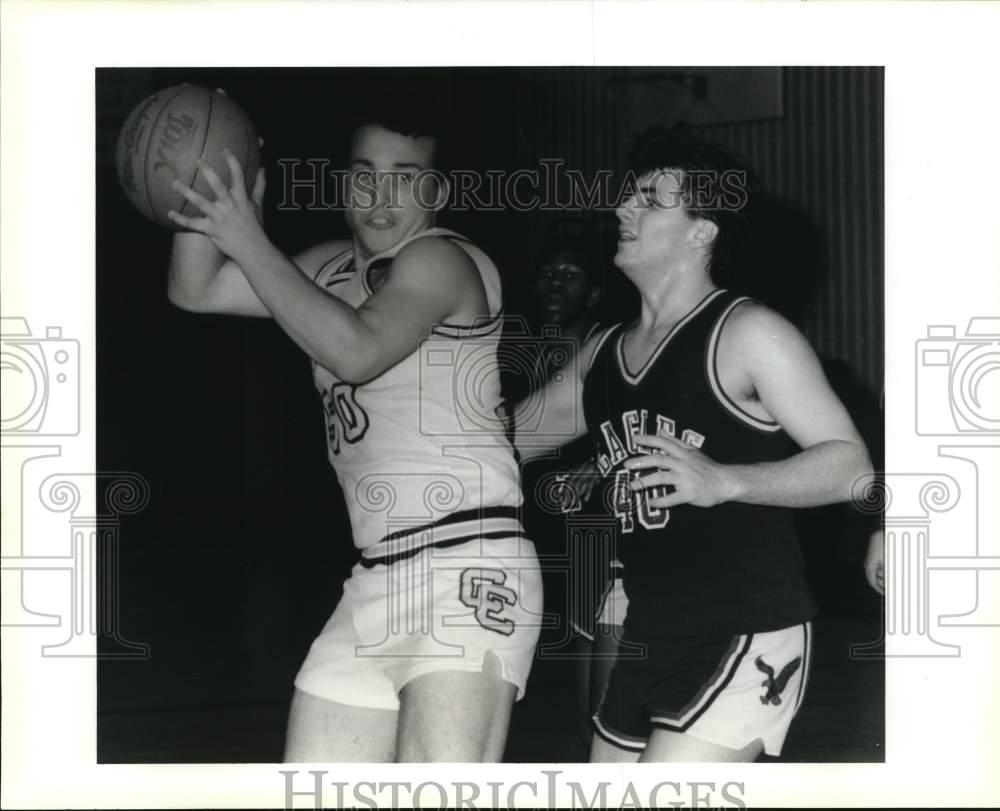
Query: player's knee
point(456, 716)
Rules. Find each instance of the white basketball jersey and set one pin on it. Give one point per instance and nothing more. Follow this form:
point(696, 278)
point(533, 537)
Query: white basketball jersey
point(420, 450)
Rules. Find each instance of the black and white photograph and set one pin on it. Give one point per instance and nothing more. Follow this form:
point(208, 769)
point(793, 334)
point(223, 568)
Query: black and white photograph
point(533, 192)
point(471, 412)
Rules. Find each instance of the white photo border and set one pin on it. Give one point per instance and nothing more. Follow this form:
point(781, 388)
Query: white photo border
point(942, 258)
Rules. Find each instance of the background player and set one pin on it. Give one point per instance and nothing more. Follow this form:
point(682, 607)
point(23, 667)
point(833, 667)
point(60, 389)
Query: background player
point(566, 292)
point(702, 397)
point(362, 309)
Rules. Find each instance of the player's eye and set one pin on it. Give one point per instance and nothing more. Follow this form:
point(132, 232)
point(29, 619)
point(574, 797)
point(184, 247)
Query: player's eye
point(364, 176)
point(648, 198)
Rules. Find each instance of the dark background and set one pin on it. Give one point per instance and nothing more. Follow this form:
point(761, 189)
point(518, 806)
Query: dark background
point(236, 563)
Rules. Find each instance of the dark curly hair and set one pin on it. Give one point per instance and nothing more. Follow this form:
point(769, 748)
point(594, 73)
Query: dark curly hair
point(715, 186)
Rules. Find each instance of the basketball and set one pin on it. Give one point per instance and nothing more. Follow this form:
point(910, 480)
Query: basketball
point(166, 134)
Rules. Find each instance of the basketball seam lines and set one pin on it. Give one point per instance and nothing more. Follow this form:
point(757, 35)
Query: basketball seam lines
point(145, 154)
point(201, 152)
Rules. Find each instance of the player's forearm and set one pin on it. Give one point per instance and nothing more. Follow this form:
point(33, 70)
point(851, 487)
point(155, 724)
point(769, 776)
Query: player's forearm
point(526, 440)
point(546, 420)
point(324, 327)
point(194, 266)
point(825, 473)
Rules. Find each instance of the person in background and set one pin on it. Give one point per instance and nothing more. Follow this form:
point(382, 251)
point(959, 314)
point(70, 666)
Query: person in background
point(564, 512)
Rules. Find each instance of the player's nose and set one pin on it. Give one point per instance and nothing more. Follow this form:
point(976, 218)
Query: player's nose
point(386, 192)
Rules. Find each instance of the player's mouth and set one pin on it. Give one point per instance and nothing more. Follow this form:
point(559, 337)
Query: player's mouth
point(554, 302)
point(380, 222)
point(625, 236)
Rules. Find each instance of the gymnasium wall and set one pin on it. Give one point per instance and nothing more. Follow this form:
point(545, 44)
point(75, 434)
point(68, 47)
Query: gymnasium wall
point(233, 567)
point(821, 161)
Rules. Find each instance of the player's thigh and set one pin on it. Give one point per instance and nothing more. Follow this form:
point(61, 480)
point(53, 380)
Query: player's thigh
point(455, 716)
point(602, 751)
point(666, 746)
point(323, 731)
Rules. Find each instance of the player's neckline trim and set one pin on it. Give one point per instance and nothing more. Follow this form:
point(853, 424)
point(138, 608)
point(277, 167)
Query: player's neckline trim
point(636, 379)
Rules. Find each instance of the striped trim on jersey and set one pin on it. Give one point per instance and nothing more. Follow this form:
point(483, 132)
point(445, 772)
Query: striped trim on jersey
point(489, 523)
point(386, 257)
point(600, 342)
point(712, 373)
point(338, 274)
point(636, 379)
point(480, 328)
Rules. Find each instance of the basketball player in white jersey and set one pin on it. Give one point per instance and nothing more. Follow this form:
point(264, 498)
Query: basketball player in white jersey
point(694, 408)
point(434, 636)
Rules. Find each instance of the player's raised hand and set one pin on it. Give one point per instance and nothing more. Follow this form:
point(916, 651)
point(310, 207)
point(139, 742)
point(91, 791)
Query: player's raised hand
point(694, 477)
point(232, 220)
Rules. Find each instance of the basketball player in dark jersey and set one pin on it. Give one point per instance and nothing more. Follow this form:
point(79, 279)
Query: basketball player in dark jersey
point(696, 409)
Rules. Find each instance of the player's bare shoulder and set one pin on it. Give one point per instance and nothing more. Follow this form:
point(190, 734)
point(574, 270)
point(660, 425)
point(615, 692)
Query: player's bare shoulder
point(752, 329)
point(437, 254)
point(433, 265)
point(760, 353)
point(751, 338)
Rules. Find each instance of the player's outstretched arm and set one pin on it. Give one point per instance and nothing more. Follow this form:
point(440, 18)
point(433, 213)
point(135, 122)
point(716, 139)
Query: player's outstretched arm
point(789, 383)
point(553, 416)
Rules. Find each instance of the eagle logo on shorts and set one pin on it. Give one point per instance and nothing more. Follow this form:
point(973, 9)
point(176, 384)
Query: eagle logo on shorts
point(775, 686)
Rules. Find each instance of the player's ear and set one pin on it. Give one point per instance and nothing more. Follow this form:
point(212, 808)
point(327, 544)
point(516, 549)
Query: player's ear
point(594, 296)
point(703, 233)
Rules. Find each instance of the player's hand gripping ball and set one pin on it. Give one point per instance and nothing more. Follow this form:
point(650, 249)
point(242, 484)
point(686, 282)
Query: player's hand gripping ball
point(163, 138)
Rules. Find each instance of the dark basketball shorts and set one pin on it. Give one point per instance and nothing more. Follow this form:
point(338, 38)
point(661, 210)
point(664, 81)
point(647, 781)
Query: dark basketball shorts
point(726, 690)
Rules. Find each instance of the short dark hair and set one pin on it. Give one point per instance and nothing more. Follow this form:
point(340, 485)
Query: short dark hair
point(715, 185)
point(417, 106)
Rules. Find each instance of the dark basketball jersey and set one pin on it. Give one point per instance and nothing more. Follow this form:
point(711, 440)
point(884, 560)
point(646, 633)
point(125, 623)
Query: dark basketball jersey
point(732, 568)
